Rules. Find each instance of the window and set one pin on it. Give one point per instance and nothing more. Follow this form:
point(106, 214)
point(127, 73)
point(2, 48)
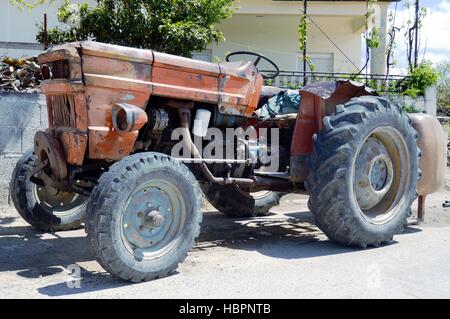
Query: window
point(204, 55)
point(322, 61)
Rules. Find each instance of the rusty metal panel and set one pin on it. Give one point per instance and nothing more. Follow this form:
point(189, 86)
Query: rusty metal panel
point(68, 52)
point(114, 74)
point(178, 63)
point(64, 96)
point(61, 109)
point(81, 113)
point(237, 88)
point(116, 52)
point(117, 83)
point(307, 124)
point(318, 100)
point(183, 84)
point(74, 143)
point(104, 141)
point(61, 86)
point(254, 98)
point(183, 78)
point(117, 68)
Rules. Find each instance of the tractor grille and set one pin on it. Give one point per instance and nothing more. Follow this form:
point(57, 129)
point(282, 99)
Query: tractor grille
point(61, 110)
point(60, 69)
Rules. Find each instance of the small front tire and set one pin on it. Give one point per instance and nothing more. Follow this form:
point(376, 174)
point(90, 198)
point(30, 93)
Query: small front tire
point(144, 216)
point(44, 209)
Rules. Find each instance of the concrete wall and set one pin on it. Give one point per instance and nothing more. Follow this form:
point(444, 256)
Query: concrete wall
point(425, 104)
point(21, 115)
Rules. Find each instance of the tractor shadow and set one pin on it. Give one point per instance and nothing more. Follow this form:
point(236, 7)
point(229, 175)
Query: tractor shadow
point(47, 257)
point(37, 256)
point(290, 235)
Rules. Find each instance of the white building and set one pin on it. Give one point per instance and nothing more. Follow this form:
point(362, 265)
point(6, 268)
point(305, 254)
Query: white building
point(266, 26)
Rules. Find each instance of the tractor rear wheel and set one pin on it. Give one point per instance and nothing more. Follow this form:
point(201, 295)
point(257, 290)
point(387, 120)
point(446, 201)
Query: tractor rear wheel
point(363, 172)
point(144, 216)
point(235, 202)
point(44, 208)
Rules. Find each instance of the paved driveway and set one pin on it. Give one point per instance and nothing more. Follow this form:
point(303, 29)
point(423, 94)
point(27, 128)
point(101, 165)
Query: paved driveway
point(283, 255)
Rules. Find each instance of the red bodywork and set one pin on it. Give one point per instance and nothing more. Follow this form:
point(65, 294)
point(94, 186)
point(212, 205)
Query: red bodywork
point(92, 77)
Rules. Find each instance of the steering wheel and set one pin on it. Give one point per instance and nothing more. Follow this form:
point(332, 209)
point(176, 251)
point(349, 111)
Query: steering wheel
point(259, 57)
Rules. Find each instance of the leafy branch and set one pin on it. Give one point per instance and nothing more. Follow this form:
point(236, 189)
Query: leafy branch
point(302, 30)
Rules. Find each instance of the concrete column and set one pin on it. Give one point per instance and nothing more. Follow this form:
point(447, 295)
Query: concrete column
point(378, 55)
point(430, 100)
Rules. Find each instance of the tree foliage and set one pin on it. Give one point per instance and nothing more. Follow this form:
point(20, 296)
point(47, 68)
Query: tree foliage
point(172, 26)
point(30, 4)
point(420, 78)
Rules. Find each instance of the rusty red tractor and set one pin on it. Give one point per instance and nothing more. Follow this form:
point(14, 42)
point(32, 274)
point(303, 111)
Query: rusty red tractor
point(107, 158)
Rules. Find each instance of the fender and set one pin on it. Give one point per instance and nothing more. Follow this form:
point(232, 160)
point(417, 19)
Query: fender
point(432, 143)
point(318, 100)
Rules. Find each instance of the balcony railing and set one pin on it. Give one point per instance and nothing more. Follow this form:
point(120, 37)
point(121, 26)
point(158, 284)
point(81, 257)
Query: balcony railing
point(378, 82)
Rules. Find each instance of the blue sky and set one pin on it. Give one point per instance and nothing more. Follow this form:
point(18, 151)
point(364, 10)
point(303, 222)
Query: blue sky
point(434, 36)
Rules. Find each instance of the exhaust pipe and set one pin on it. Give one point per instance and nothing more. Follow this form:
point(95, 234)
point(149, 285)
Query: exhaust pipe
point(184, 121)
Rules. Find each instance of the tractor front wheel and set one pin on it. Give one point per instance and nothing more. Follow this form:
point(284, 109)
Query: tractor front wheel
point(144, 216)
point(363, 172)
point(42, 207)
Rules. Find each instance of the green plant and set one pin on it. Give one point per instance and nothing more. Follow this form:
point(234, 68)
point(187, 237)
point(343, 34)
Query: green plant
point(420, 78)
point(171, 26)
point(302, 30)
point(409, 108)
point(30, 4)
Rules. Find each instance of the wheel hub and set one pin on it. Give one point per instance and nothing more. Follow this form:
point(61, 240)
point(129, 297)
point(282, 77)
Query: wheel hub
point(152, 219)
point(381, 174)
point(373, 173)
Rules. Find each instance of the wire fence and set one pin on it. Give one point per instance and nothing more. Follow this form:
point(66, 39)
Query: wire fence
point(378, 82)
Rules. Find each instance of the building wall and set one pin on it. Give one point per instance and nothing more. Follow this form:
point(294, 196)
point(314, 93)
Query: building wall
point(266, 26)
point(18, 28)
point(276, 37)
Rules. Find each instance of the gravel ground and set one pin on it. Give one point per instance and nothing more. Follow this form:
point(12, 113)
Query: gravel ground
point(283, 255)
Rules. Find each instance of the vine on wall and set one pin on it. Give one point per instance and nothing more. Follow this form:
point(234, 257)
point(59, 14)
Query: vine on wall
point(372, 34)
point(302, 29)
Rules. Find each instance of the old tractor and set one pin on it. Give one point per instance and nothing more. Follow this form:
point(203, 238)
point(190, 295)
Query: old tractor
point(108, 157)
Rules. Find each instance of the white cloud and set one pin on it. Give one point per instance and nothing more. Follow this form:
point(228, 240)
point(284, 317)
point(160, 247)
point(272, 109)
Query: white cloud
point(436, 28)
point(434, 35)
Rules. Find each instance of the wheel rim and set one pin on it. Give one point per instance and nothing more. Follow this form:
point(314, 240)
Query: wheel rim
point(153, 219)
point(381, 172)
point(57, 202)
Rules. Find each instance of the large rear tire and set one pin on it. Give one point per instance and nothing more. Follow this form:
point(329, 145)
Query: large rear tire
point(234, 202)
point(363, 172)
point(144, 216)
point(44, 209)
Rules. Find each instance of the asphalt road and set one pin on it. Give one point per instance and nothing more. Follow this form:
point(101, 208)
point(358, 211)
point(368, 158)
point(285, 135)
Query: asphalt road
point(283, 255)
